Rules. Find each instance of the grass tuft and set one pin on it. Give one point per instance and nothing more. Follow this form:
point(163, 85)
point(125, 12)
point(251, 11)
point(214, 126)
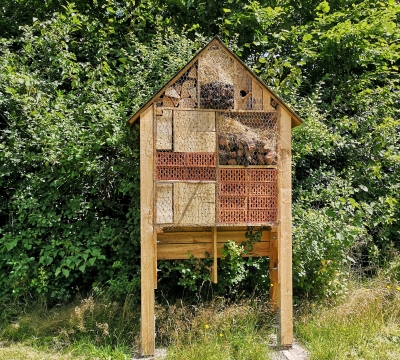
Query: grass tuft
point(364, 325)
point(217, 330)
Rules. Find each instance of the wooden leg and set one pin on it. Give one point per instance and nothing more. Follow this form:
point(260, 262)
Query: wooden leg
point(273, 271)
point(215, 254)
point(147, 234)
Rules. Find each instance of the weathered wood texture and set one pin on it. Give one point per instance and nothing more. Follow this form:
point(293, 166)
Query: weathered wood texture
point(257, 95)
point(180, 245)
point(147, 248)
point(273, 270)
point(214, 273)
point(243, 85)
point(285, 231)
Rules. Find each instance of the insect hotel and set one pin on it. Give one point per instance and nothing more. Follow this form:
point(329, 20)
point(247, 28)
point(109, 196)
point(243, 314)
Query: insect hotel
point(215, 159)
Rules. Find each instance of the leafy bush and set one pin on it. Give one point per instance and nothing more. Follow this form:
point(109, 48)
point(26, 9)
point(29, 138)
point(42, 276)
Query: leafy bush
point(69, 175)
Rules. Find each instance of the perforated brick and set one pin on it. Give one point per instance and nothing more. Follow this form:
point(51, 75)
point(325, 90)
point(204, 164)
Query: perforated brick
point(263, 188)
point(232, 216)
point(171, 173)
point(261, 175)
point(263, 202)
point(170, 158)
point(200, 159)
point(200, 173)
point(232, 202)
point(232, 188)
point(262, 216)
point(235, 175)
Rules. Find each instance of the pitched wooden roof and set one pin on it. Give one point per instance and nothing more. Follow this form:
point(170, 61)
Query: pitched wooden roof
point(296, 120)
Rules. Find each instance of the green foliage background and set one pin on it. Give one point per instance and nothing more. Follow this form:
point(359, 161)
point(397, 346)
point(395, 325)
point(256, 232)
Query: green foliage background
point(72, 74)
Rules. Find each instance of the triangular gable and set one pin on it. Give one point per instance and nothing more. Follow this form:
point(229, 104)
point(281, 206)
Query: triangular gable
point(216, 79)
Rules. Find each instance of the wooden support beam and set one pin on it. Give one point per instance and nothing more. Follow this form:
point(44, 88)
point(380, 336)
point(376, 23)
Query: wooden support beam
point(285, 231)
point(175, 251)
point(273, 270)
point(147, 248)
point(215, 255)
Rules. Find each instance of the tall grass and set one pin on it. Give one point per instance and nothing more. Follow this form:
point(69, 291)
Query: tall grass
point(88, 328)
point(363, 325)
point(217, 330)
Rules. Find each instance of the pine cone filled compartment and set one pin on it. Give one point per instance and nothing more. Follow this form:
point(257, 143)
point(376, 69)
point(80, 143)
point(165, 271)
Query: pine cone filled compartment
point(247, 138)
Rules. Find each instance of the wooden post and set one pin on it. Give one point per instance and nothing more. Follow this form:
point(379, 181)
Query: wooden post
point(273, 270)
point(285, 231)
point(215, 254)
point(147, 236)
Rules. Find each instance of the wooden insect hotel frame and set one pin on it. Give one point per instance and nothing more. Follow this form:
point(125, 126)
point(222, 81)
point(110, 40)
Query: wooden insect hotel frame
point(215, 158)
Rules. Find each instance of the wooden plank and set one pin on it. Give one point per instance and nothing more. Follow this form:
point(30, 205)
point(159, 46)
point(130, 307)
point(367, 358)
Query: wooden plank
point(164, 131)
point(194, 203)
point(285, 230)
point(194, 131)
point(256, 95)
point(184, 238)
point(239, 236)
point(182, 251)
point(169, 251)
point(215, 255)
point(267, 101)
point(259, 249)
point(243, 88)
point(194, 237)
point(147, 253)
point(164, 204)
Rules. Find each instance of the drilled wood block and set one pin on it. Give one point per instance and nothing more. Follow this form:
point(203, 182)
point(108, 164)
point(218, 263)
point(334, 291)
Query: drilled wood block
point(164, 203)
point(194, 203)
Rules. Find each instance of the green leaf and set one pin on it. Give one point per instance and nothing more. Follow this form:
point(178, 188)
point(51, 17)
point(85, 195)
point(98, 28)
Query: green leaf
point(65, 272)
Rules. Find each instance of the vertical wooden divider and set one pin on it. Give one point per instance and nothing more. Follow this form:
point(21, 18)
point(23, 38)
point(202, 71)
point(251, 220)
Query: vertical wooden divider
point(215, 254)
point(285, 230)
point(273, 270)
point(147, 234)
